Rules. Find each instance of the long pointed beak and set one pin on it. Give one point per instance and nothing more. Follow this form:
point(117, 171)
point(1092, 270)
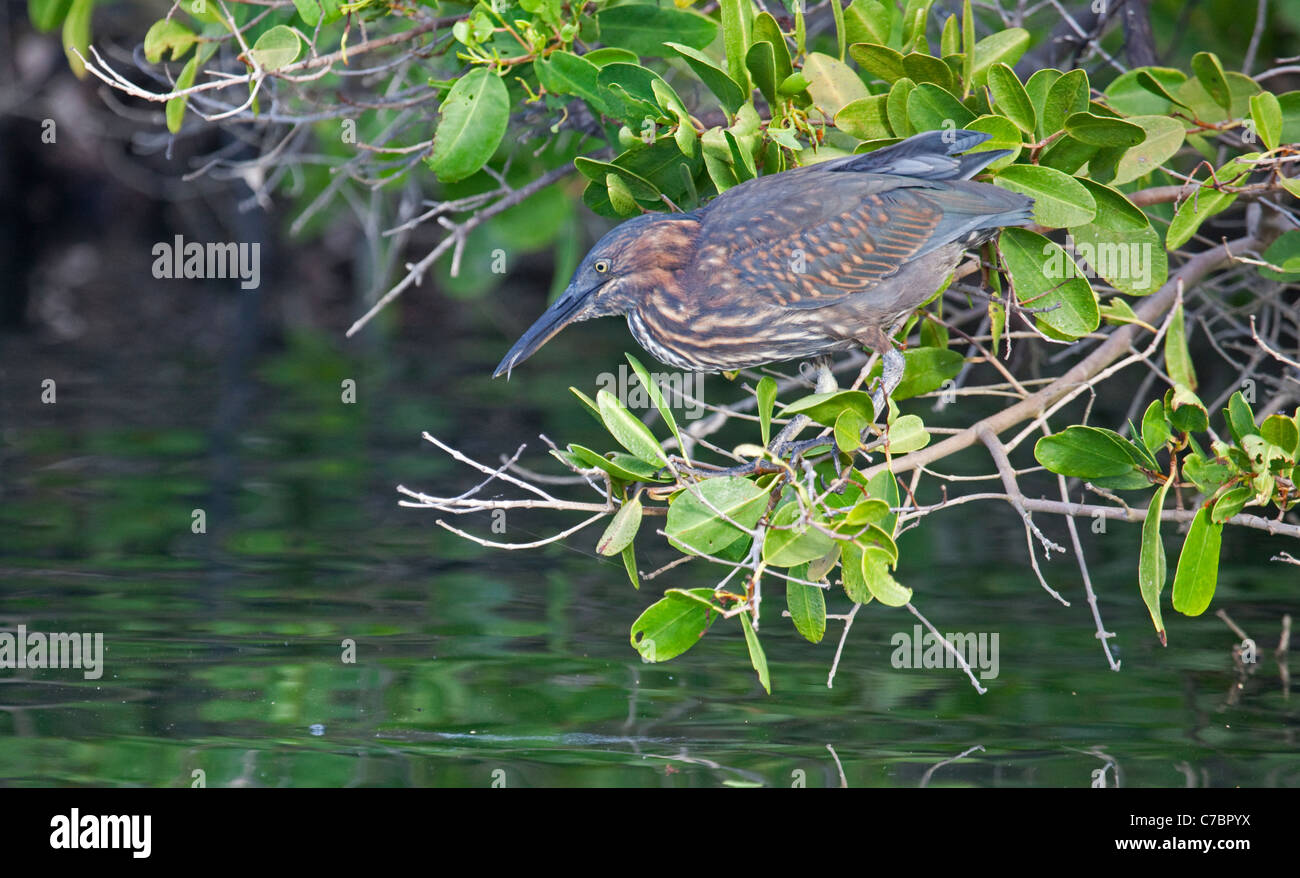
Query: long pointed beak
point(561, 313)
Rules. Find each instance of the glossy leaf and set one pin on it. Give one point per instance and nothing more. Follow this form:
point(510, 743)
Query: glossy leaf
point(629, 431)
point(1152, 567)
point(807, 606)
point(644, 28)
point(1059, 199)
point(1120, 244)
point(673, 624)
point(471, 123)
point(279, 47)
point(1044, 276)
point(622, 528)
point(724, 88)
point(789, 541)
point(1085, 453)
point(757, 658)
point(1010, 97)
point(694, 527)
point(1198, 565)
point(1164, 137)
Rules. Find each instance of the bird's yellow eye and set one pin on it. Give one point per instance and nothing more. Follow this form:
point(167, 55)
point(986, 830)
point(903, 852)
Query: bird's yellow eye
point(601, 265)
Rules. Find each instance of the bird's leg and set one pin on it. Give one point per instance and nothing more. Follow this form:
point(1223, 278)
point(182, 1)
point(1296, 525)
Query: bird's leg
point(825, 384)
point(891, 369)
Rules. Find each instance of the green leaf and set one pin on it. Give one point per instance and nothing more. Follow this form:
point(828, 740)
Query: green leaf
point(619, 465)
point(1044, 276)
point(1067, 95)
point(1144, 91)
point(1011, 98)
point(855, 585)
point(692, 525)
point(724, 88)
point(1164, 137)
point(927, 68)
point(637, 187)
point(657, 397)
point(167, 35)
point(866, 118)
point(1186, 411)
point(622, 529)
point(76, 34)
point(645, 28)
point(825, 408)
point(767, 31)
point(629, 564)
point(1059, 199)
point(471, 122)
point(950, 37)
point(1202, 204)
point(883, 486)
point(1155, 427)
point(629, 431)
point(1230, 503)
point(1240, 418)
point(1282, 432)
point(1210, 73)
point(879, 60)
point(1119, 244)
point(766, 395)
point(1004, 46)
point(867, 21)
point(276, 48)
point(907, 433)
point(589, 403)
point(673, 624)
point(620, 196)
point(967, 46)
point(756, 656)
point(883, 586)
point(762, 69)
point(1178, 359)
point(925, 369)
point(1152, 567)
point(849, 426)
point(1104, 131)
point(832, 83)
point(1037, 87)
point(736, 16)
point(1267, 114)
point(807, 606)
point(310, 10)
point(1284, 252)
point(915, 15)
point(1085, 453)
point(1066, 154)
point(563, 73)
point(175, 111)
point(46, 15)
point(1005, 135)
point(787, 543)
point(930, 108)
point(896, 107)
point(1198, 565)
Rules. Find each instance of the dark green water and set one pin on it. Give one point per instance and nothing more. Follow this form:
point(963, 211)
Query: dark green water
point(223, 648)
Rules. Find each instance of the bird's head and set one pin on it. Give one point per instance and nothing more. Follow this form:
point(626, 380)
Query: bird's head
point(631, 259)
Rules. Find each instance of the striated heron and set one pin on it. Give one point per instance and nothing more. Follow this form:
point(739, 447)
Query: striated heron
point(800, 264)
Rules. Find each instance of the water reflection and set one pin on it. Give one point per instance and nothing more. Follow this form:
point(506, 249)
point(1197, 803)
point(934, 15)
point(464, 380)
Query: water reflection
point(224, 649)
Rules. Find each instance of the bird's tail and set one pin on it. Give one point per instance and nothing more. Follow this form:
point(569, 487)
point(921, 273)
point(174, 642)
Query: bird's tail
point(930, 155)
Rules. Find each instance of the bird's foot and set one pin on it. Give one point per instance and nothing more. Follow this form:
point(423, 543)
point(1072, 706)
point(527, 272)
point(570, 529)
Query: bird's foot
point(825, 383)
point(891, 374)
